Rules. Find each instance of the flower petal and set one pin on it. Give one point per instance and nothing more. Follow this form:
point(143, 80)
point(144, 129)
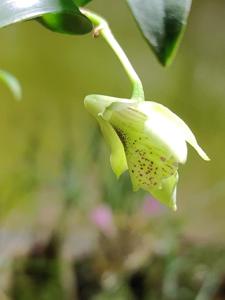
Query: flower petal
point(191, 139)
point(181, 128)
point(117, 157)
point(96, 105)
point(165, 132)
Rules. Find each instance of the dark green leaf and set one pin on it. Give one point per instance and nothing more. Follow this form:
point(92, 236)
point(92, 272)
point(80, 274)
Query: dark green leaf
point(58, 15)
point(162, 23)
point(12, 83)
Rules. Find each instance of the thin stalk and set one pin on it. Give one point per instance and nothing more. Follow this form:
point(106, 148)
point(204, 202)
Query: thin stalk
point(102, 28)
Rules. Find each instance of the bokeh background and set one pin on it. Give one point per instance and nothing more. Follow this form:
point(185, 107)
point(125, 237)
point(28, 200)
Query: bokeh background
point(58, 194)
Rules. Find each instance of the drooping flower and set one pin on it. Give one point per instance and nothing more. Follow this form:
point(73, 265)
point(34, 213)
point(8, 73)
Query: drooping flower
point(147, 139)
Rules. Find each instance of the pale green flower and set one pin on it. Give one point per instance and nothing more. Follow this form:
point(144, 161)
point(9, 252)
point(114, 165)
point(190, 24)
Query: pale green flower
point(147, 139)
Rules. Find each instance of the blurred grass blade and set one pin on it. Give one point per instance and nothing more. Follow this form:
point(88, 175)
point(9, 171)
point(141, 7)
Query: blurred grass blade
point(12, 83)
point(162, 23)
point(58, 15)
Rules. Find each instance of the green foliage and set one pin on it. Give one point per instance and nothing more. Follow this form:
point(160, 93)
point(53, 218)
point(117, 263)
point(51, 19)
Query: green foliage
point(82, 2)
point(162, 23)
point(58, 15)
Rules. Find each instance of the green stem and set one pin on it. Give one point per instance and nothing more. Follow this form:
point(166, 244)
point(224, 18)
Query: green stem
point(103, 29)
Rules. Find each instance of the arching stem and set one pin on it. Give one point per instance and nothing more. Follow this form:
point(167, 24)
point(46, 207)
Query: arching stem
point(102, 28)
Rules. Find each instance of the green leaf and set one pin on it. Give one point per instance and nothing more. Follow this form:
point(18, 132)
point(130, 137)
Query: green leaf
point(162, 23)
point(82, 2)
point(58, 15)
point(12, 83)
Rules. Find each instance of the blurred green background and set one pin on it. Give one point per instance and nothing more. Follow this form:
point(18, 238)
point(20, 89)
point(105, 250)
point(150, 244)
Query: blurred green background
point(52, 157)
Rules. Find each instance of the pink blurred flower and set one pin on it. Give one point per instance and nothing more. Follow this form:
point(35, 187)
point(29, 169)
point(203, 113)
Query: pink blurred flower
point(102, 217)
point(151, 207)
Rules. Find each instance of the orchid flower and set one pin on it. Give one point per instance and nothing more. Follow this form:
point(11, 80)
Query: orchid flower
point(147, 139)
